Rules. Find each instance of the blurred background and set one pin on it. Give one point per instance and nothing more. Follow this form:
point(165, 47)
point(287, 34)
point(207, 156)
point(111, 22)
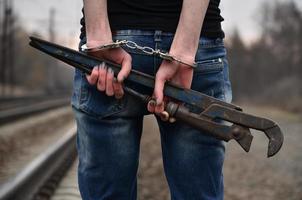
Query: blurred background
point(265, 54)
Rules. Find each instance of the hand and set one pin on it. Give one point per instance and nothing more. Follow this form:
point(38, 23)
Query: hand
point(177, 73)
point(103, 76)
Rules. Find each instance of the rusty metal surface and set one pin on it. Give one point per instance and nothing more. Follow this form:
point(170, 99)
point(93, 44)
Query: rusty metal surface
point(270, 128)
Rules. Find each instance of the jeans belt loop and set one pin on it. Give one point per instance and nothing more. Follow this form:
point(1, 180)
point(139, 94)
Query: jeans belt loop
point(157, 36)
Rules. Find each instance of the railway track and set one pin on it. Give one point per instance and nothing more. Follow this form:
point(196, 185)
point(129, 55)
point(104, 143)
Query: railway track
point(13, 109)
point(259, 178)
point(39, 179)
point(11, 102)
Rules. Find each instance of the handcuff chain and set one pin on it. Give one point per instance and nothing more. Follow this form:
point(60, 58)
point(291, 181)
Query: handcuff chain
point(150, 51)
point(133, 45)
point(145, 49)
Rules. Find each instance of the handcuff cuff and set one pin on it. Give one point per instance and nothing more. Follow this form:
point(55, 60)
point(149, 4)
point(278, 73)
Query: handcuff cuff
point(132, 45)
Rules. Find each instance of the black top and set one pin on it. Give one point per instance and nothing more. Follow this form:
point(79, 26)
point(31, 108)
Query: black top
point(158, 15)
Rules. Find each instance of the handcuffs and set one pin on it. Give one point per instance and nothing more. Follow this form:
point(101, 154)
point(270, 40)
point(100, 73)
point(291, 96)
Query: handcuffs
point(132, 45)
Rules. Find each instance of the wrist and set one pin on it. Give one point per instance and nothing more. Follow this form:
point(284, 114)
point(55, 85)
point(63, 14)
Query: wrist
point(183, 50)
point(184, 45)
point(99, 36)
point(183, 56)
point(98, 42)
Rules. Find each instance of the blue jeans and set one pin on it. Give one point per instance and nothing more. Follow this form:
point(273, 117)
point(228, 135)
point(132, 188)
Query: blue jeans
point(109, 130)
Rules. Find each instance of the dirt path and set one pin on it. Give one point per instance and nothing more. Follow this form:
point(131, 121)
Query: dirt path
point(247, 176)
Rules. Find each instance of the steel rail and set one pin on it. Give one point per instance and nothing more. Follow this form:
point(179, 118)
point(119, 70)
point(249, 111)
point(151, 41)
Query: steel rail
point(11, 102)
point(12, 114)
point(40, 177)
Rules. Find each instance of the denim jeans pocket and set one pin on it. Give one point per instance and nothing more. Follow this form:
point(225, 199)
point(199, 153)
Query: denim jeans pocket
point(208, 77)
point(93, 102)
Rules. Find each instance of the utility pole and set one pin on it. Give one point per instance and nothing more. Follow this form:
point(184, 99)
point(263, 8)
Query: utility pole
point(1, 46)
point(51, 71)
point(7, 46)
point(10, 48)
point(51, 29)
point(4, 47)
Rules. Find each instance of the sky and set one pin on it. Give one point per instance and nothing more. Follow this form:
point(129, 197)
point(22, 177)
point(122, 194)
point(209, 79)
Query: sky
point(34, 16)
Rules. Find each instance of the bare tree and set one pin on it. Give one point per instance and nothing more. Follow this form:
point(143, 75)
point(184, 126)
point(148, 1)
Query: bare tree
point(271, 68)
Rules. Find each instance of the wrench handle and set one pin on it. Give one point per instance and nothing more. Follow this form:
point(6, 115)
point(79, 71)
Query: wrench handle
point(217, 130)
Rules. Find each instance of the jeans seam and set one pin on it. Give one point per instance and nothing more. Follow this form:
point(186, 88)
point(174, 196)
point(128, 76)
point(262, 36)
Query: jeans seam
point(157, 45)
point(223, 81)
point(213, 183)
point(155, 58)
point(82, 98)
point(134, 32)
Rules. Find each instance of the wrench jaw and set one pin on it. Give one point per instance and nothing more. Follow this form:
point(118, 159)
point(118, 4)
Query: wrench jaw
point(270, 128)
point(243, 136)
point(276, 139)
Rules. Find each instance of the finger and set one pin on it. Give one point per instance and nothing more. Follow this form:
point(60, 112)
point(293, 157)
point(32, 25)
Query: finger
point(151, 105)
point(164, 116)
point(109, 82)
point(93, 77)
point(172, 120)
point(126, 68)
point(118, 89)
point(159, 108)
point(158, 92)
point(158, 89)
point(101, 85)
